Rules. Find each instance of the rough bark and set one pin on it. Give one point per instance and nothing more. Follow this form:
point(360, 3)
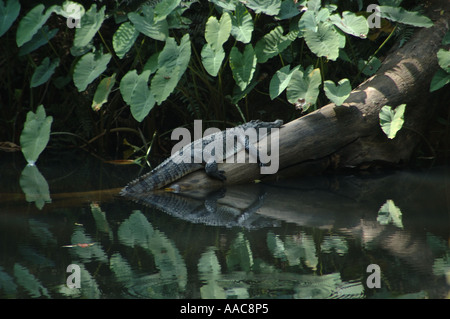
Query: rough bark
point(350, 134)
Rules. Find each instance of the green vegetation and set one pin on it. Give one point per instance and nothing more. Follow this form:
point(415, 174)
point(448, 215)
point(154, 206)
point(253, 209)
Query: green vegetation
point(117, 76)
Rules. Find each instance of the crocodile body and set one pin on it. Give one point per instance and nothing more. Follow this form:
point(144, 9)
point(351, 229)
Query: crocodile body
point(197, 155)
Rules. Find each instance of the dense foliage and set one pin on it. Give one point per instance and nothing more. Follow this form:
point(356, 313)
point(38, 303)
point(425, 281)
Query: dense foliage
point(114, 74)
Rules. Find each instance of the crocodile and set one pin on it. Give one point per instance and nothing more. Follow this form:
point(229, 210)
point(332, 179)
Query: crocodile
point(199, 154)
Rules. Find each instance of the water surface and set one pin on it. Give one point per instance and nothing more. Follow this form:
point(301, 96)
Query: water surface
point(308, 238)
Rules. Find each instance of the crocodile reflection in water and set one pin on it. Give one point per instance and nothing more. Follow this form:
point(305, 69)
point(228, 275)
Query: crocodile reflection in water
point(207, 209)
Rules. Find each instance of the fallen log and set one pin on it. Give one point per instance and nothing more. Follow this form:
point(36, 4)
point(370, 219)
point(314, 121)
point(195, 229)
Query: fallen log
point(350, 135)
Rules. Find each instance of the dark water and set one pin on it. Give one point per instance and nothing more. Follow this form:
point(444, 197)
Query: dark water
point(313, 238)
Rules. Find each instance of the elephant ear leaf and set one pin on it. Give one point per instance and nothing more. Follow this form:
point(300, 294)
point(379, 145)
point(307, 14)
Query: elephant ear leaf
point(35, 134)
point(8, 14)
point(337, 94)
point(391, 121)
point(88, 68)
point(31, 23)
point(43, 72)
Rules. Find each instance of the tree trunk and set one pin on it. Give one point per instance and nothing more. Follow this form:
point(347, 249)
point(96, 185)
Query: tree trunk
point(350, 135)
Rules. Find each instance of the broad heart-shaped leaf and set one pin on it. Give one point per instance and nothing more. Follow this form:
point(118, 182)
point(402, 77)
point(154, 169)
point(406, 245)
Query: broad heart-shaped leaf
point(102, 92)
point(398, 14)
point(227, 5)
point(172, 63)
point(269, 7)
point(391, 121)
point(243, 65)
point(35, 134)
point(289, 9)
point(142, 99)
point(273, 43)
point(31, 23)
point(351, 24)
point(280, 80)
point(90, 24)
point(152, 63)
point(124, 39)
point(303, 89)
point(8, 14)
point(444, 59)
point(440, 79)
point(211, 59)
point(128, 85)
point(42, 37)
point(35, 186)
point(308, 21)
point(337, 94)
point(43, 72)
point(369, 67)
point(242, 24)
point(164, 8)
point(326, 41)
point(146, 25)
point(70, 9)
point(88, 68)
point(217, 32)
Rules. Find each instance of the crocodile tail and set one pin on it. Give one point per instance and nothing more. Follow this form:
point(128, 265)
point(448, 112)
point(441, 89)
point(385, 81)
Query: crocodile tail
point(159, 177)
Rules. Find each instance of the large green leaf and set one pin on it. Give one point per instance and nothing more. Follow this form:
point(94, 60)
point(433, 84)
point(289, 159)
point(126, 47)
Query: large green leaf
point(303, 89)
point(352, 24)
point(227, 5)
point(212, 59)
point(337, 94)
point(88, 68)
point(102, 92)
point(35, 186)
point(273, 43)
point(289, 9)
point(172, 63)
point(391, 121)
point(142, 99)
point(41, 38)
point(280, 80)
point(8, 14)
point(128, 85)
point(146, 24)
point(90, 23)
point(269, 7)
point(444, 59)
point(124, 39)
point(70, 9)
point(136, 94)
point(326, 41)
point(440, 79)
point(43, 72)
point(370, 67)
point(243, 65)
point(398, 14)
point(31, 23)
point(35, 134)
point(217, 32)
point(308, 21)
point(164, 8)
point(242, 24)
